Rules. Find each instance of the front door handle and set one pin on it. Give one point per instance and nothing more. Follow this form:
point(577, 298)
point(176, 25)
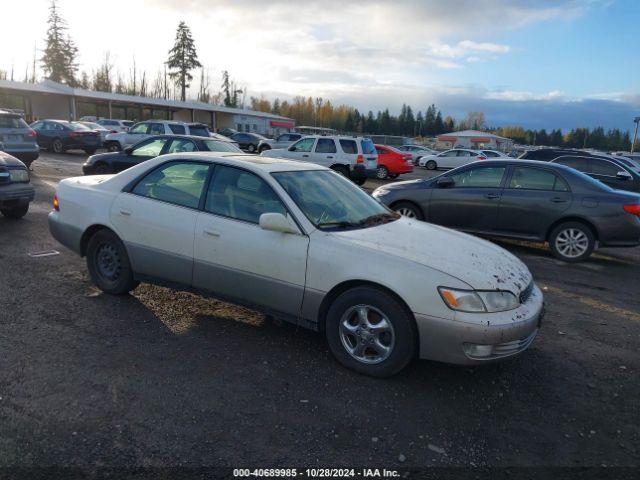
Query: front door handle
point(558, 200)
point(126, 213)
point(210, 233)
point(305, 155)
point(492, 196)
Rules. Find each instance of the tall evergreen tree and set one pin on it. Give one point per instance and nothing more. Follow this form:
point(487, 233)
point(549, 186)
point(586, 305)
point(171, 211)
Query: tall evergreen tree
point(59, 56)
point(182, 59)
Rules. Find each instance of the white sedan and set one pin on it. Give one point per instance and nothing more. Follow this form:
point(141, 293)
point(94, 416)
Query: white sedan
point(302, 243)
point(453, 158)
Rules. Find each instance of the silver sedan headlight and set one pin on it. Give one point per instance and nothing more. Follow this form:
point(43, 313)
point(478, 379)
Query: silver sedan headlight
point(478, 301)
point(19, 175)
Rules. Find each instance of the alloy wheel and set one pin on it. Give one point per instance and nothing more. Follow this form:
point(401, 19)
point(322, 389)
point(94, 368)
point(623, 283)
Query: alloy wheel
point(572, 242)
point(367, 334)
point(406, 212)
point(382, 172)
point(57, 146)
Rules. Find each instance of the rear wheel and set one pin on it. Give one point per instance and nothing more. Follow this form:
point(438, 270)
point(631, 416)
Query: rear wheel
point(57, 146)
point(408, 210)
point(382, 172)
point(371, 332)
point(15, 213)
point(572, 241)
point(109, 264)
point(431, 165)
point(251, 148)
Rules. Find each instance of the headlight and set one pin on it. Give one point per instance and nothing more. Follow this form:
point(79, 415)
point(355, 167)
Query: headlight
point(19, 175)
point(478, 301)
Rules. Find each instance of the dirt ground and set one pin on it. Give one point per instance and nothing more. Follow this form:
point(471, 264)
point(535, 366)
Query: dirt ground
point(163, 378)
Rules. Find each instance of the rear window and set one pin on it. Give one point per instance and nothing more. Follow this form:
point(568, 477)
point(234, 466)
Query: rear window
point(349, 146)
point(367, 146)
point(543, 155)
point(177, 129)
point(10, 121)
point(199, 130)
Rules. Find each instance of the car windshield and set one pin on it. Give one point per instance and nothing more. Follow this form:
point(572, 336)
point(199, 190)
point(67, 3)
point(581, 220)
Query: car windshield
point(331, 202)
point(218, 146)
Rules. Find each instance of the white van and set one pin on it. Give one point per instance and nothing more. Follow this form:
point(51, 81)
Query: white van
point(354, 157)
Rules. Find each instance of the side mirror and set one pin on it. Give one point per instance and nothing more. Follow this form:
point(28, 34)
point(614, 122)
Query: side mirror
point(276, 222)
point(292, 148)
point(623, 175)
point(445, 182)
point(128, 150)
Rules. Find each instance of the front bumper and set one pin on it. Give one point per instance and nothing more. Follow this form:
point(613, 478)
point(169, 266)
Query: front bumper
point(66, 234)
point(15, 194)
point(508, 333)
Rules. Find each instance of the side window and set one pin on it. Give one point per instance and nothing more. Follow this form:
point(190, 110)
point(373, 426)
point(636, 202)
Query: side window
point(579, 163)
point(604, 167)
point(450, 153)
point(37, 126)
point(283, 138)
point(175, 128)
point(140, 128)
point(181, 146)
point(349, 146)
point(464, 153)
point(380, 151)
point(149, 148)
point(156, 129)
point(58, 127)
point(490, 154)
point(485, 177)
point(180, 183)
point(241, 195)
point(304, 145)
point(326, 145)
point(536, 179)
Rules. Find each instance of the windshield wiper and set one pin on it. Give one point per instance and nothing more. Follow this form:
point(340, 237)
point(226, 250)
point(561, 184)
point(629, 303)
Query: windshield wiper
point(341, 224)
point(383, 217)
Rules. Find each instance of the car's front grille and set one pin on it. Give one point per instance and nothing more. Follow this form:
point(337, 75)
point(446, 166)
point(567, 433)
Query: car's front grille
point(526, 293)
point(511, 348)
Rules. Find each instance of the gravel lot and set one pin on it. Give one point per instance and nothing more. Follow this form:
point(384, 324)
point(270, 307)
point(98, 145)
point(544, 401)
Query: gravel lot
point(164, 378)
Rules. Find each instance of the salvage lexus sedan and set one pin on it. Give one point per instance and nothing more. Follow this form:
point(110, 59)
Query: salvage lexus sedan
point(523, 199)
point(301, 242)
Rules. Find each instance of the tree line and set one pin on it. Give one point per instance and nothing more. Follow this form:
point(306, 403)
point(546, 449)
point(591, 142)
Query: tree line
point(596, 138)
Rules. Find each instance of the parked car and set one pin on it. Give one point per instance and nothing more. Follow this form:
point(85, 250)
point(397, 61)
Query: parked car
point(453, 158)
point(114, 162)
point(16, 190)
point(102, 131)
point(353, 157)
point(392, 162)
point(302, 243)
point(17, 138)
point(548, 154)
point(116, 142)
point(617, 172)
point(61, 135)
point(417, 151)
point(282, 141)
point(248, 141)
point(536, 201)
point(114, 125)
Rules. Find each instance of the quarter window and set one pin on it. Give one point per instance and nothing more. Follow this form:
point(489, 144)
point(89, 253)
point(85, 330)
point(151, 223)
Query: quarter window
point(326, 145)
point(175, 128)
point(536, 179)
point(349, 146)
point(485, 177)
point(304, 145)
point(241, 195)
point(180, 183)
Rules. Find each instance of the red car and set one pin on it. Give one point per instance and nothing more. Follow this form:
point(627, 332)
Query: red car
point(392, 162)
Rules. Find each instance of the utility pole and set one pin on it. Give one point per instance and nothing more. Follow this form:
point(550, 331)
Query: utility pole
point(635, 134)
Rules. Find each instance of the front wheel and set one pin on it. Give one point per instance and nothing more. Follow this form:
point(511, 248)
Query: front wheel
point(251, 148)
point(572, 242)
point(371, 332)
point(382, 172)
point(15, 213)
point(431, 165)
point(408, 210)
point(109, 264)
point(57, 146)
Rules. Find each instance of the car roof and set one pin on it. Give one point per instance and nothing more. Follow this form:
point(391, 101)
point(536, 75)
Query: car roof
point(248, 161)
point(190, 137)
point(518, 162)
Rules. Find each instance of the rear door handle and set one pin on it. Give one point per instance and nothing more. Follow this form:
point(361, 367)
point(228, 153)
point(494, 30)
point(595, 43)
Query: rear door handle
point(305, 155)
point(491, 196)
point(126, 213)
point(558, 200)
point(210, 233)
point(329, 156)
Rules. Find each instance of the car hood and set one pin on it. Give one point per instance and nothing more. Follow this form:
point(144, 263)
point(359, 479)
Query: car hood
point(476, 262)
point(7, 160)
point(104, 156)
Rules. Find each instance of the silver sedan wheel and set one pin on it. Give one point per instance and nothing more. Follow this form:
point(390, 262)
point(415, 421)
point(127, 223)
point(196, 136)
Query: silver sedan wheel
point(367, 334)
point(406, 212)
point(572, 242)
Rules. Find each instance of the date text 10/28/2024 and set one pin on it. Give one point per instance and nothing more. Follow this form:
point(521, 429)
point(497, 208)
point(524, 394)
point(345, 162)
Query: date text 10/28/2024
point(315, 472)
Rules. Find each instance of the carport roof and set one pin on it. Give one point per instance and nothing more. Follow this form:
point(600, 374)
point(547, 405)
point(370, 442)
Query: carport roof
point(54, 88)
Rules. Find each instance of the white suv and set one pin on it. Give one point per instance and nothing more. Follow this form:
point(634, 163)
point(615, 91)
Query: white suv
point(110, 124)
point(354, 157)
point(115, 142)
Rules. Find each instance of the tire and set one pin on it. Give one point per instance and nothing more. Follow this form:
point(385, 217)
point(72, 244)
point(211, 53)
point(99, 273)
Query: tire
point(113, 147)
point(89, 151)
point(351, 332)
point(409, 210)
point(342, 170)
point(15, 213)
point(57, 146)
point(431, 165)
point(572, 242)
point(109, 265)
point(359, 181)
point(102, 169)
point(382, 172)
point(251, 148)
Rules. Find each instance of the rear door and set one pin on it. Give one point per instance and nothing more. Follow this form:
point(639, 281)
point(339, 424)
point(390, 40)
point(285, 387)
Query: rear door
point(447, 159)
point(532, 200)
point(472, 202)
point(325, 152)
